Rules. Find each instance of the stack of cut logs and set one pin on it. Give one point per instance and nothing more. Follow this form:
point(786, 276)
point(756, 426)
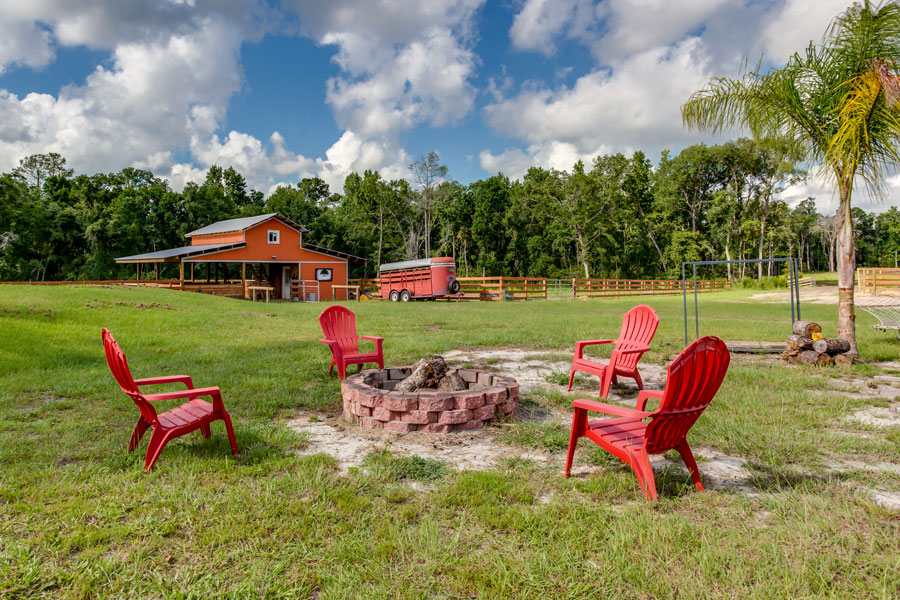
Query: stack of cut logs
point(807, 347)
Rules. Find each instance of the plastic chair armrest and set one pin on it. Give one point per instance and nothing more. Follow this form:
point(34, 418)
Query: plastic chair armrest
point(610, 409)
point(185, 379)
point(579, 346)
point(634, 350)
point(378, 341)
point(194, 393)
point(645, 395)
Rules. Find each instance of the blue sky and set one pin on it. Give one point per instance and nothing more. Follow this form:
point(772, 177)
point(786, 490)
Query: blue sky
point(299, 88)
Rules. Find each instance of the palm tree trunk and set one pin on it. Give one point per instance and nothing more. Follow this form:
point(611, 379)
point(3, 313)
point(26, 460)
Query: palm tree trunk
point(846, 269)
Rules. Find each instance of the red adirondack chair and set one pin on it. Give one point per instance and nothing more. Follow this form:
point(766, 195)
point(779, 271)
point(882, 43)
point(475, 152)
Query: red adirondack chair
point(694, 378)
point(339, 328)
point(638, 327)
point(193, 415)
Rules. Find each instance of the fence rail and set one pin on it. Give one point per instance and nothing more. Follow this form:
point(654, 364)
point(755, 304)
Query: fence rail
point(160, 283)
point(872, 279)
point(601, 288)
point(803, 282)
point(533, 288)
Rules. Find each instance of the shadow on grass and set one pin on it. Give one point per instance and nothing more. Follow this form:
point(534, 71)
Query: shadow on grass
point(767, 478)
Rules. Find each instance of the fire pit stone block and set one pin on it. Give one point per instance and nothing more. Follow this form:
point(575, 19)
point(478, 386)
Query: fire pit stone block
point(399, 426)
point(419, 417)
point(454, 417)
point(400, 402)
point(469, 425)
point(469, 400)
point(435, 401)
point(436, 428)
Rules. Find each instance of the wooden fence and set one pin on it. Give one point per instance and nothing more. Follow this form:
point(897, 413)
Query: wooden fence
point(161, 283)
point(498, 289)
point(603, 288)
point(873, 279)
point(803, 282)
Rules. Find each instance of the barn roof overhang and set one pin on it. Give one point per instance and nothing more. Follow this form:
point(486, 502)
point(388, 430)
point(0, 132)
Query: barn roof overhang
point(174, 255)
point(334, 253)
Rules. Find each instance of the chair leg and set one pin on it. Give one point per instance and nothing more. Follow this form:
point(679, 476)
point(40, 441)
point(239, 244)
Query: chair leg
point(688, 457)
point(579, 425)
point(640, 464)
point(158, 441)
point(571, 379)
point(204, 431)
point(227, 418)
point(637, 379)
point(139, 429)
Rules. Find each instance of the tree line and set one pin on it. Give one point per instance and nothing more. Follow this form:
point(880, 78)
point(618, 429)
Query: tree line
point(618, 217)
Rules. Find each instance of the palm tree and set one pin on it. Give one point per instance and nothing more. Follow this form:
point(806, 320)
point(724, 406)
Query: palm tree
point(836, 104)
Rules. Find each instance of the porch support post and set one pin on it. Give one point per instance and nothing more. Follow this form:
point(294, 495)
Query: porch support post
point(138, 271)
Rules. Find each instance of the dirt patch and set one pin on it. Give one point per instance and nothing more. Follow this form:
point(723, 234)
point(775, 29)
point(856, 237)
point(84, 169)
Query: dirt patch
point(21, 312)
point(826, 294)
point(718, 471)
point(350, 445)
point(849, 464)
point(531, 369)
point(885, 499)
point(97, 303)
point(877, 416)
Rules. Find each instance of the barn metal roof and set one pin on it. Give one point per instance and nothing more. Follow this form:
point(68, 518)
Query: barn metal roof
point(242, 224)
point(335, 253)
point(175, 253)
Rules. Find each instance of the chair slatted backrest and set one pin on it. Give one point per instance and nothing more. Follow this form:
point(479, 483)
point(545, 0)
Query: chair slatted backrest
point(694, 378)
point(118, 364)
point(638, 328)
point(339, 323)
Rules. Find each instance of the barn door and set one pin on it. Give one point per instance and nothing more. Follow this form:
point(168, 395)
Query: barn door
point(286, 283)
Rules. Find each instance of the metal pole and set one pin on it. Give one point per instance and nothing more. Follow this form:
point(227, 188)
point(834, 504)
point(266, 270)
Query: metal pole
point(792, 278)
point(696, 314)
point(684, 296)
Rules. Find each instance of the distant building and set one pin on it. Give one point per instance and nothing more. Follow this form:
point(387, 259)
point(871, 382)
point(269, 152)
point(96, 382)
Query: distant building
point(270, 246)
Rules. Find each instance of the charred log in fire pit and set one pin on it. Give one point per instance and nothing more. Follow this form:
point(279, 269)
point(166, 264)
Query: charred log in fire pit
point(432, 374)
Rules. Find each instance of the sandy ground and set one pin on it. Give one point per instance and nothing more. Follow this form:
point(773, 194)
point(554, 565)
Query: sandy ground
point(828, 294)
point(480, 450)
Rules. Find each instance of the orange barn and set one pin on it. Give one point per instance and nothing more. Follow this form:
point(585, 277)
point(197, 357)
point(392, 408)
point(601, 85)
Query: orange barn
point(269, 246)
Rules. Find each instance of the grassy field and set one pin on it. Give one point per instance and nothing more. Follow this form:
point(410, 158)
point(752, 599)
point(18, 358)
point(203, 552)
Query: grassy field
point(80, 519)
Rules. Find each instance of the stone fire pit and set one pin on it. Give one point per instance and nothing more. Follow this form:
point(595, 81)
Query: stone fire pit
point(369, 400)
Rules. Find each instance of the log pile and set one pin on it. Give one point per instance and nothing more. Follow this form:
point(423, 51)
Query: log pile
point(432, 374)
point(807, 347)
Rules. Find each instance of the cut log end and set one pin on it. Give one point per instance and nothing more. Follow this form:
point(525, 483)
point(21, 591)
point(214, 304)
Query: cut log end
point(806, 328)
point(843, 360)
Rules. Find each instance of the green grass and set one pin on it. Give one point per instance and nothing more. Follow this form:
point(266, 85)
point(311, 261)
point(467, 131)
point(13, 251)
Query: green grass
point(79, 519)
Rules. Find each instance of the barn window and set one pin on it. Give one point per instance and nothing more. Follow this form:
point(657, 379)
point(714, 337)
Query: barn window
point(274, 236)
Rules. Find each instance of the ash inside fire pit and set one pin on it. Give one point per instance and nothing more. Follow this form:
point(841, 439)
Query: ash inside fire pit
point(428, 397)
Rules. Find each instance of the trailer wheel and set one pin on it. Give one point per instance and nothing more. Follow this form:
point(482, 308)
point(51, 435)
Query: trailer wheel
point(454, 287)
point(395, 295)
point(404, 296)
